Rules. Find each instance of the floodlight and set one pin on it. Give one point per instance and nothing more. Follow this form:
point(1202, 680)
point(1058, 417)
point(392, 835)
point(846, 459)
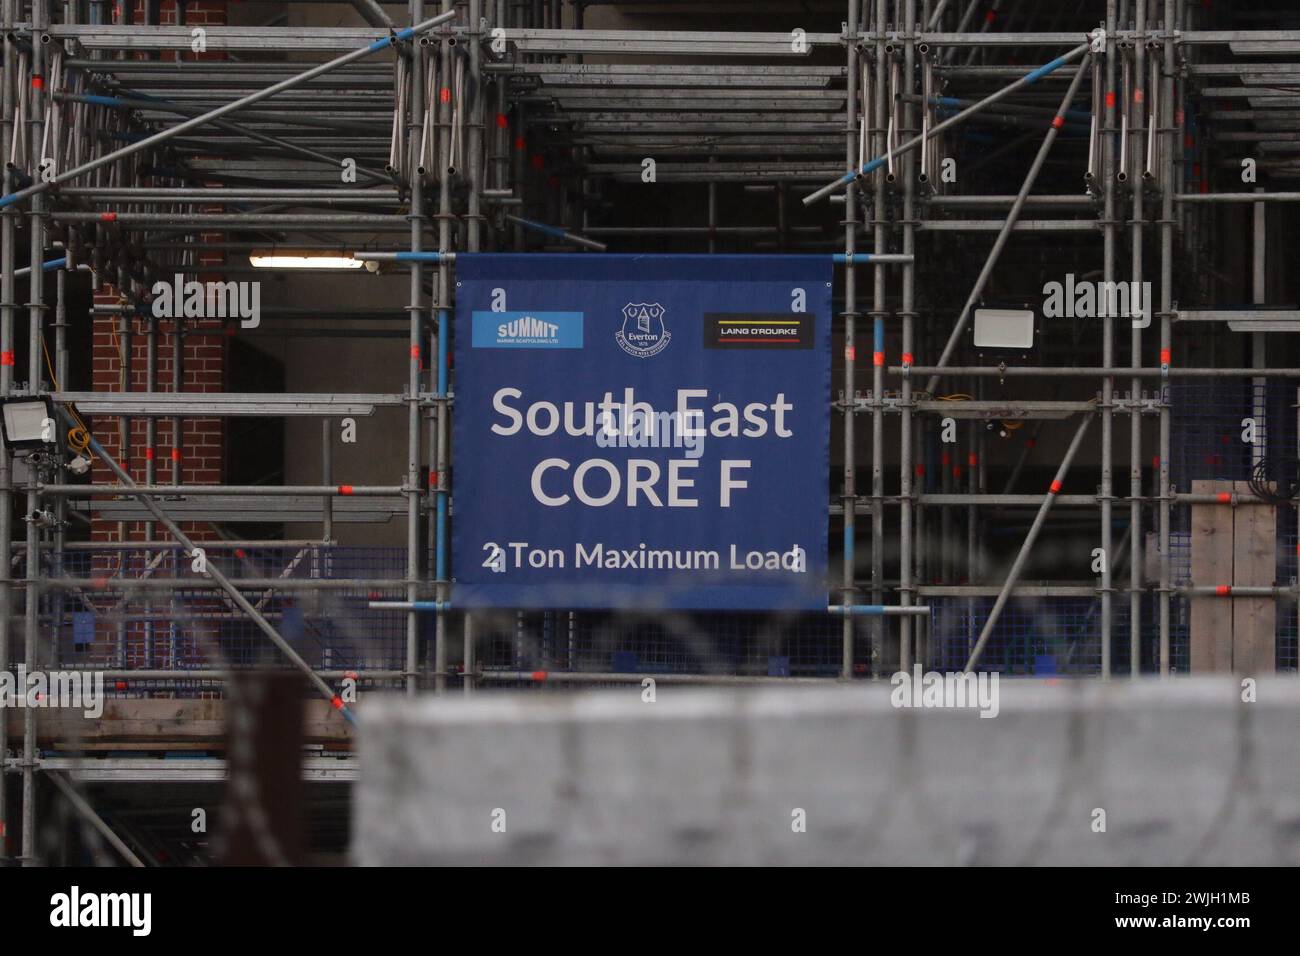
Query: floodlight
point(29, 422)
point(1004, 328)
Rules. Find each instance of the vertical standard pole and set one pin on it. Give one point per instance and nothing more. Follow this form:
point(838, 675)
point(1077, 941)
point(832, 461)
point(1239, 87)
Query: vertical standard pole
point(150, 425)
point(1259, 226)
point(474, 162)
point(850, 305)
point(1134, 108)
point(35, 309)
point(60, 374)
point(880, 238)
point(1109, 233)
point(1171, 140)
point(474, 236)
point(972, 516)
point(467, 680)
point(327, 479)
point(415, 137)
point(908, 277)
point(444, 332)
point(6, 386)
point(177, 443)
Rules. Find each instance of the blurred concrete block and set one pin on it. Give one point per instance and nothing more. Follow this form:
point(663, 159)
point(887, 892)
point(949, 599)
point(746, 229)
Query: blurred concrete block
point(1184, 771)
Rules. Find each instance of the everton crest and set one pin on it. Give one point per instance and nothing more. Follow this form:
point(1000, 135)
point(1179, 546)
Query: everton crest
point(643, 333)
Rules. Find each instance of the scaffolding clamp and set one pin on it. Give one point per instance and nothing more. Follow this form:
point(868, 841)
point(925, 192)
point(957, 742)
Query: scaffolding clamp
point(1098, 39)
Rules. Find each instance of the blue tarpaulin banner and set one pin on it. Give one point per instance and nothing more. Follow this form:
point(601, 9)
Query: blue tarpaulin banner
point(641, 431)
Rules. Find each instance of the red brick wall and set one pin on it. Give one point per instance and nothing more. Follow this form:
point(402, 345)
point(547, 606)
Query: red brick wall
point(199, 452)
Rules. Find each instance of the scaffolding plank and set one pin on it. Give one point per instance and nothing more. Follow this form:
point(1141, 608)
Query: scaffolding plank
point(1254, 619)
point(1212, 554)
point(149, 720)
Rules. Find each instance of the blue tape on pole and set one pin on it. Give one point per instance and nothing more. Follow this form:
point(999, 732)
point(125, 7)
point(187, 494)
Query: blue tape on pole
point(641, 431)
point(1035, 75)
point(543, 228)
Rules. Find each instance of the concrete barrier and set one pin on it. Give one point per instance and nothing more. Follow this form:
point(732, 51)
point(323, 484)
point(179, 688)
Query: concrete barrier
point(1184, 772)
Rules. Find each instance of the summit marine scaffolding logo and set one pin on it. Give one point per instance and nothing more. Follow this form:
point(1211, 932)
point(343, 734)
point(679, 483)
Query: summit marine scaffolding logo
point(527, 330)
point(643, 333)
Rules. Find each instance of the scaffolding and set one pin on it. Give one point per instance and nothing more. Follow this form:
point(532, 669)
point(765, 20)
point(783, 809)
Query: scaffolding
point(139, 150)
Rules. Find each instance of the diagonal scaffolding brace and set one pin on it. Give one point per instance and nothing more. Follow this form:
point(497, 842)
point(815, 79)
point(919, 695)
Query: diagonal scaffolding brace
point(216, 574)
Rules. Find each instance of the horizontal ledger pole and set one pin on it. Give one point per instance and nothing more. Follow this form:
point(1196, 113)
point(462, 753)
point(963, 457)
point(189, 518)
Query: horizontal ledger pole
point(854, 610)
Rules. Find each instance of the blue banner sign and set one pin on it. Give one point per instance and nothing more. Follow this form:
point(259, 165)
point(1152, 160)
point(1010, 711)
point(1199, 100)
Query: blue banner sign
point(643, 432)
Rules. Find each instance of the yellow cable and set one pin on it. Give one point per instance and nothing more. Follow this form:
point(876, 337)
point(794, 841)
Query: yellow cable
point(79, 437)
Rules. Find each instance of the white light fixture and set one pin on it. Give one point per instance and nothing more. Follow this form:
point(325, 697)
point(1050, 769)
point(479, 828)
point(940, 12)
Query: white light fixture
point(301, 259)
point(1004, 328)
point(29, 423)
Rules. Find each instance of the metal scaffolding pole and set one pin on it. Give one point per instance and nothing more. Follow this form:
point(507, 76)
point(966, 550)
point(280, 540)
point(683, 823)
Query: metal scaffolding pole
point(850, 306)
point(884, 107)
point(35, 337)
point(1167, 142)
point(1013, 575)
point(1108, 189)
point(7, 255)
point(83, 807)
point(442, 432)
point(905, 634)
point(1134, 108)
point(415, 316)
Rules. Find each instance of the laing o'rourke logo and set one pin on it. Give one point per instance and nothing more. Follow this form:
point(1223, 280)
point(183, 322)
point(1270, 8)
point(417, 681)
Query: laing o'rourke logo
point(643, 333)
point(95, 910)
point(758, 330)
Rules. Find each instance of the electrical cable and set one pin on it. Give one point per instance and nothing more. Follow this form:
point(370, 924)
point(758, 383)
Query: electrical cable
point(1260, 484)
